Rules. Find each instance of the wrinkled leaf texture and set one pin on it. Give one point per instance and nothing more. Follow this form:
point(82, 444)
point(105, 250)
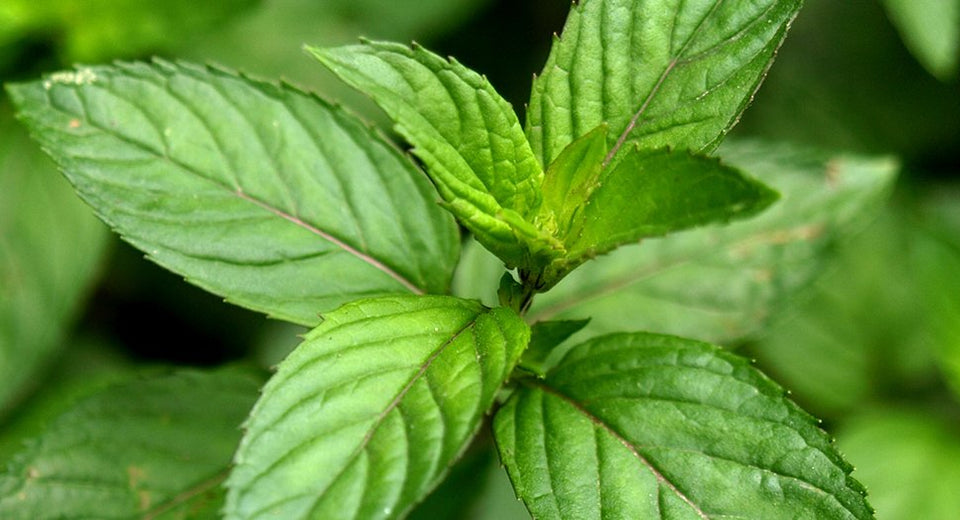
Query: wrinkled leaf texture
point(467, 135)
point(655, 427)
point(674, 73)
point(366, 416)
point(270, 197)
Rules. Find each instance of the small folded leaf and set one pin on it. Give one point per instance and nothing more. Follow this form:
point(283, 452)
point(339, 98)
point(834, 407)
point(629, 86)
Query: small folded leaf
point(570, 179)
point(151, 448)
point(654, 192)
point(720, 283)
point(467, 135)
point(257, 192)
point(649, 426)
point(659, 73)
point(364, 418)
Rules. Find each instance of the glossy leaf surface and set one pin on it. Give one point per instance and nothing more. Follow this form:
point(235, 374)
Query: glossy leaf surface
point(256, 192)
point(659, 73)
point(150, 448)
point(365, 417)
point(649, 426)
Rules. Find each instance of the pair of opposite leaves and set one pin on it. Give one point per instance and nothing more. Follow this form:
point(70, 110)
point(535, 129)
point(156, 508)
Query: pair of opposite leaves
point(601, 190)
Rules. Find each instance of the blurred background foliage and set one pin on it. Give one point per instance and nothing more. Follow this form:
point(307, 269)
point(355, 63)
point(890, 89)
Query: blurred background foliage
point(873, 347)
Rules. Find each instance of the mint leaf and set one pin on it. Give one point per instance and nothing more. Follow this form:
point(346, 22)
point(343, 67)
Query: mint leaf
point(654, 192)
point(649, 426)
point(931, 30)
point(363, 419)
point(50, 248)
point(147, 449)
point(467, 135)
point(570, 179)
point(659, 74)
point(257, 192)
point(722, 283)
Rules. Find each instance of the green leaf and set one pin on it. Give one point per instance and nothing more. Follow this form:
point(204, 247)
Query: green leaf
point(658, 72)
point(467, 135)
point(153, 448)
point(931, 30)
point(722, 283)
point(265, 195)
point(654, 192)
point(570, 179)
point(649, 426)
point(909, 459)
point(50, 249)
point(366, 416)
point(101, 29)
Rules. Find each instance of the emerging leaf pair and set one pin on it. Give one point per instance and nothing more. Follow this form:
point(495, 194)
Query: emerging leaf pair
point(602, 190)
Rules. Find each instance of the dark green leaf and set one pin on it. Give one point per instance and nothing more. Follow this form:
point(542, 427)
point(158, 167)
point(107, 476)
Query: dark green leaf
point(467, 135)
point(152, 448)
point(50, 248)
point(722, 283)
point(658, 72)
point(257, 192)
point(649, 426)
point(654, 192)
point(366, 416)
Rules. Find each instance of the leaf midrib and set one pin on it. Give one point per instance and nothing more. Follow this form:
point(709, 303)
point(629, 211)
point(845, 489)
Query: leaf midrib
point(599, 423)
point(674, 60)
point(396, 403)
point(239, 193)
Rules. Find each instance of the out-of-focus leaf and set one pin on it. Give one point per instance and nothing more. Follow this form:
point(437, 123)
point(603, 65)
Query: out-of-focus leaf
point(650, 426)
point(859, 336)
point(85, 367)
point(50, 247)
point(257, 192)
point(722, 283)
point(931, 30)
point(151, 448)
point(938, 268)
point(909, 460)
point(92, 30)
point(282, 27)
point(364, 418)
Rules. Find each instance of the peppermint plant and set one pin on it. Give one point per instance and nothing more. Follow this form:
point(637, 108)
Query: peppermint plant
point(507, 277)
